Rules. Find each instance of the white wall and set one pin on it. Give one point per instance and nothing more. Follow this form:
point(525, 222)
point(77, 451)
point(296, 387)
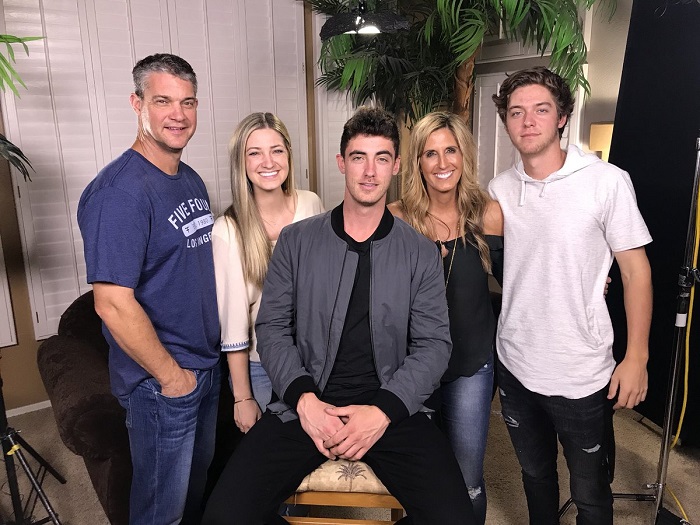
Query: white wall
point(605, 59)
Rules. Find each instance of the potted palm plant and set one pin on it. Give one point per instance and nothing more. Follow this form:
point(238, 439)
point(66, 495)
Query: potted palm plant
point(9, 79)
point(430, 65)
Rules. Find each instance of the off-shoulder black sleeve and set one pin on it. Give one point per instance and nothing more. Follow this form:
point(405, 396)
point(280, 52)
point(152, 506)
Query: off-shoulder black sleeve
point(495, 243)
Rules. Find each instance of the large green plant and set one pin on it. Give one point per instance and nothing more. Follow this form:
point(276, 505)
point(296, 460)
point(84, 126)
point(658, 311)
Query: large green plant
point(9, 79)
point(430, 65)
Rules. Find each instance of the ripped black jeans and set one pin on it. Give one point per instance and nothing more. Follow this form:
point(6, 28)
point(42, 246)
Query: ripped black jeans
point(584, 428)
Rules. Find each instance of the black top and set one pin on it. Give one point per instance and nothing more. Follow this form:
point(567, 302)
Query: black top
point(472, 321)
point(354, 377)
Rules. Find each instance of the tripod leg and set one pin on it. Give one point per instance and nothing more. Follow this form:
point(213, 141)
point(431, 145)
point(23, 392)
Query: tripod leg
point(565, 507)
point(38, 457)
point(8, 450)
point(35, 483)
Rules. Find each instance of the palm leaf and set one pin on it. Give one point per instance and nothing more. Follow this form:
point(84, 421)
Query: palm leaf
point(8, 75)
point(328, 7)
point(9, 78)
point(412, 72)
point(14, 156)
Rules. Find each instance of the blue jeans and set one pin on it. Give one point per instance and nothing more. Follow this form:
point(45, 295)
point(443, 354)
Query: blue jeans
point(466, 408)
point(261, 385)
point(172, 444)
point(534, 421)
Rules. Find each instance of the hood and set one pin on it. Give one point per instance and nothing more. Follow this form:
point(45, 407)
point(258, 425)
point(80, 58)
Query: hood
point(576, 160)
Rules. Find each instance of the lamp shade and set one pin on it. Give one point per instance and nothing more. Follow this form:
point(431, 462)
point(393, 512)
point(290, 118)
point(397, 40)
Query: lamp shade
point(601, 136)
point(362, 22)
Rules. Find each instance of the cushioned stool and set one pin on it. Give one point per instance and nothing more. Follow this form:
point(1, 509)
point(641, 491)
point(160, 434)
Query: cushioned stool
point(344, 483)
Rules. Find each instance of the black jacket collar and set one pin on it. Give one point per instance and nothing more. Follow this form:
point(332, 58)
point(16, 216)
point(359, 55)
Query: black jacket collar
point(338, 223)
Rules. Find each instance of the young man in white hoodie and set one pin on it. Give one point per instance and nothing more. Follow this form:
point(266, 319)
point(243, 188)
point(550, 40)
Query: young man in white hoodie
point(566, 215)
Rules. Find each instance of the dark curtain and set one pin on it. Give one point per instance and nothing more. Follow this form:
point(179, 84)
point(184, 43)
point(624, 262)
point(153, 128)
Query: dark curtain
point(656, 127)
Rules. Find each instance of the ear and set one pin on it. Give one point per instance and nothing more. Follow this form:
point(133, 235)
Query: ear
point(341, 163)
point(562, 122)
point(397, 166)
point(135, 102)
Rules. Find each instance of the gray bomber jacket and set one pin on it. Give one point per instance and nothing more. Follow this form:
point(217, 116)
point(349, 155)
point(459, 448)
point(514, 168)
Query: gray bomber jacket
point(305, 299)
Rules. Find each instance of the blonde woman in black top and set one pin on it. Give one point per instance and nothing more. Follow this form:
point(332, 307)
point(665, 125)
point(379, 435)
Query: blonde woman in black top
point(441, 199)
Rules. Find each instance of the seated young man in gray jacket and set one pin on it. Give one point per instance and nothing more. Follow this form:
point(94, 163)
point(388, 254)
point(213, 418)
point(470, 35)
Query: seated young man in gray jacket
point(353, 332)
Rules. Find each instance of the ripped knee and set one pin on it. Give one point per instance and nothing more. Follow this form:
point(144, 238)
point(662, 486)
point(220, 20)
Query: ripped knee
point(474, 492)
point(511, 422)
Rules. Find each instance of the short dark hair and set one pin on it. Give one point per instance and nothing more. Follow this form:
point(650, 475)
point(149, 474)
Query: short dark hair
point(557, 86)
point(375, 122)
point(164, 63)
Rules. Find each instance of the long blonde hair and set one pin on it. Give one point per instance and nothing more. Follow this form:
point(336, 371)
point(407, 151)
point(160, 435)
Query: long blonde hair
point(255, 246)
point(471, 199)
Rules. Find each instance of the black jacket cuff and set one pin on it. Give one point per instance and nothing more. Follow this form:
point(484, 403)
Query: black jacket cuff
point(301, 385)
point(391, 405)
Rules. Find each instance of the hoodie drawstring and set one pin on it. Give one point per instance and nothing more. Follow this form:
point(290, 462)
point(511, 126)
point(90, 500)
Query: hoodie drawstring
point(523, 183)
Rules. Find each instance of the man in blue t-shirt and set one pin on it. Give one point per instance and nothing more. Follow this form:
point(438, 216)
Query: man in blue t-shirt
point(146, 226)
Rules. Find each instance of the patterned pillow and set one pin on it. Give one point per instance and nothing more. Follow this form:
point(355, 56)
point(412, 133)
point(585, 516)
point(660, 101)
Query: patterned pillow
point(343, 476)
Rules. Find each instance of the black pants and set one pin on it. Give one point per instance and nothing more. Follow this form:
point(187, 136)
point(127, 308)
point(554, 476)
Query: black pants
point(534, 422)
point(413, 459)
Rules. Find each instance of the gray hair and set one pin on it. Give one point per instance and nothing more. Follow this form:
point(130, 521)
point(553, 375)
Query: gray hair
point(164, 63)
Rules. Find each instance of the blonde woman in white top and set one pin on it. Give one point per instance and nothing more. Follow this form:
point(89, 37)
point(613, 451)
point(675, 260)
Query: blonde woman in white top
point(264, 202)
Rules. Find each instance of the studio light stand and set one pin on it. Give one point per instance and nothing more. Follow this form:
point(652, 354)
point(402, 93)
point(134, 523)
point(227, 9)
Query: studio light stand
point(12, 445)
point(687, 278)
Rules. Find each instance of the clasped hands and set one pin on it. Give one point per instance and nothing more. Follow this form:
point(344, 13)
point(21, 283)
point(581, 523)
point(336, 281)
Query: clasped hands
point(341, 432)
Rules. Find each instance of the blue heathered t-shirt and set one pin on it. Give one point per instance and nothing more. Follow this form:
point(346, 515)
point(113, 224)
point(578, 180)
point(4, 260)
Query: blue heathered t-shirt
point(150, 231)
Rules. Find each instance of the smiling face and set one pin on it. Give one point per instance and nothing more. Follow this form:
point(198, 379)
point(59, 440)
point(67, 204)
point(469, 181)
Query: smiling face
point(167, 113)
point(441, 162)
point(266, 160)
point(368, 166)
point(532, 122)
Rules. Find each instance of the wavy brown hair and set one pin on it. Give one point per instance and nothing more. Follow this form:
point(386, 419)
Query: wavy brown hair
point(540, 76)
point(471, 199)
point(255, 246)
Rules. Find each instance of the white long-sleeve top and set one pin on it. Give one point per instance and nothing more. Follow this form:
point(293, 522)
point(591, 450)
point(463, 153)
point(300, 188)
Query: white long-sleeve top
point(239, 300)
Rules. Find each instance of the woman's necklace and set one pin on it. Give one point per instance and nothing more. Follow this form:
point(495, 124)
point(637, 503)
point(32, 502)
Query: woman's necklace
point(443, 247)
point(452, 259)
point(443, 224)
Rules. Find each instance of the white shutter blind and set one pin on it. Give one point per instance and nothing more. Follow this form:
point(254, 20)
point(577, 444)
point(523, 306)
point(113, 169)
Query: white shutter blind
point(75, 116)
point(226, 90)
point(7, 324)
point(274, 52)
point(290, 81)
point(495, 153)
point(52, 124)
point(333, 109)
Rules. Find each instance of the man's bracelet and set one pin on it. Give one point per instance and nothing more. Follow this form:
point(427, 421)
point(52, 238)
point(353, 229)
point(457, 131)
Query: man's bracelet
point(244, 399)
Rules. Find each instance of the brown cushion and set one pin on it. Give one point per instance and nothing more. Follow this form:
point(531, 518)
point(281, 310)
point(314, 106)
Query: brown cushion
point(82, 322)
point(343, 476)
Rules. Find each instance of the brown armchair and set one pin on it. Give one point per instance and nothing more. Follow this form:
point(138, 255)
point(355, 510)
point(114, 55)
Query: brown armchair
point(73, 366)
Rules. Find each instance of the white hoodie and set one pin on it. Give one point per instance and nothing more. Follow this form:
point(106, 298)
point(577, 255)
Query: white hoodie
point(554, 333)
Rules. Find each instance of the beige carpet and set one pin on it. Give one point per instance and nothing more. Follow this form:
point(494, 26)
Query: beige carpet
point(75, 502)
point(638, 445)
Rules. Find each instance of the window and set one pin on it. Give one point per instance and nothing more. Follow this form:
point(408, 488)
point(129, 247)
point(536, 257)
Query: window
point(75, 116)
